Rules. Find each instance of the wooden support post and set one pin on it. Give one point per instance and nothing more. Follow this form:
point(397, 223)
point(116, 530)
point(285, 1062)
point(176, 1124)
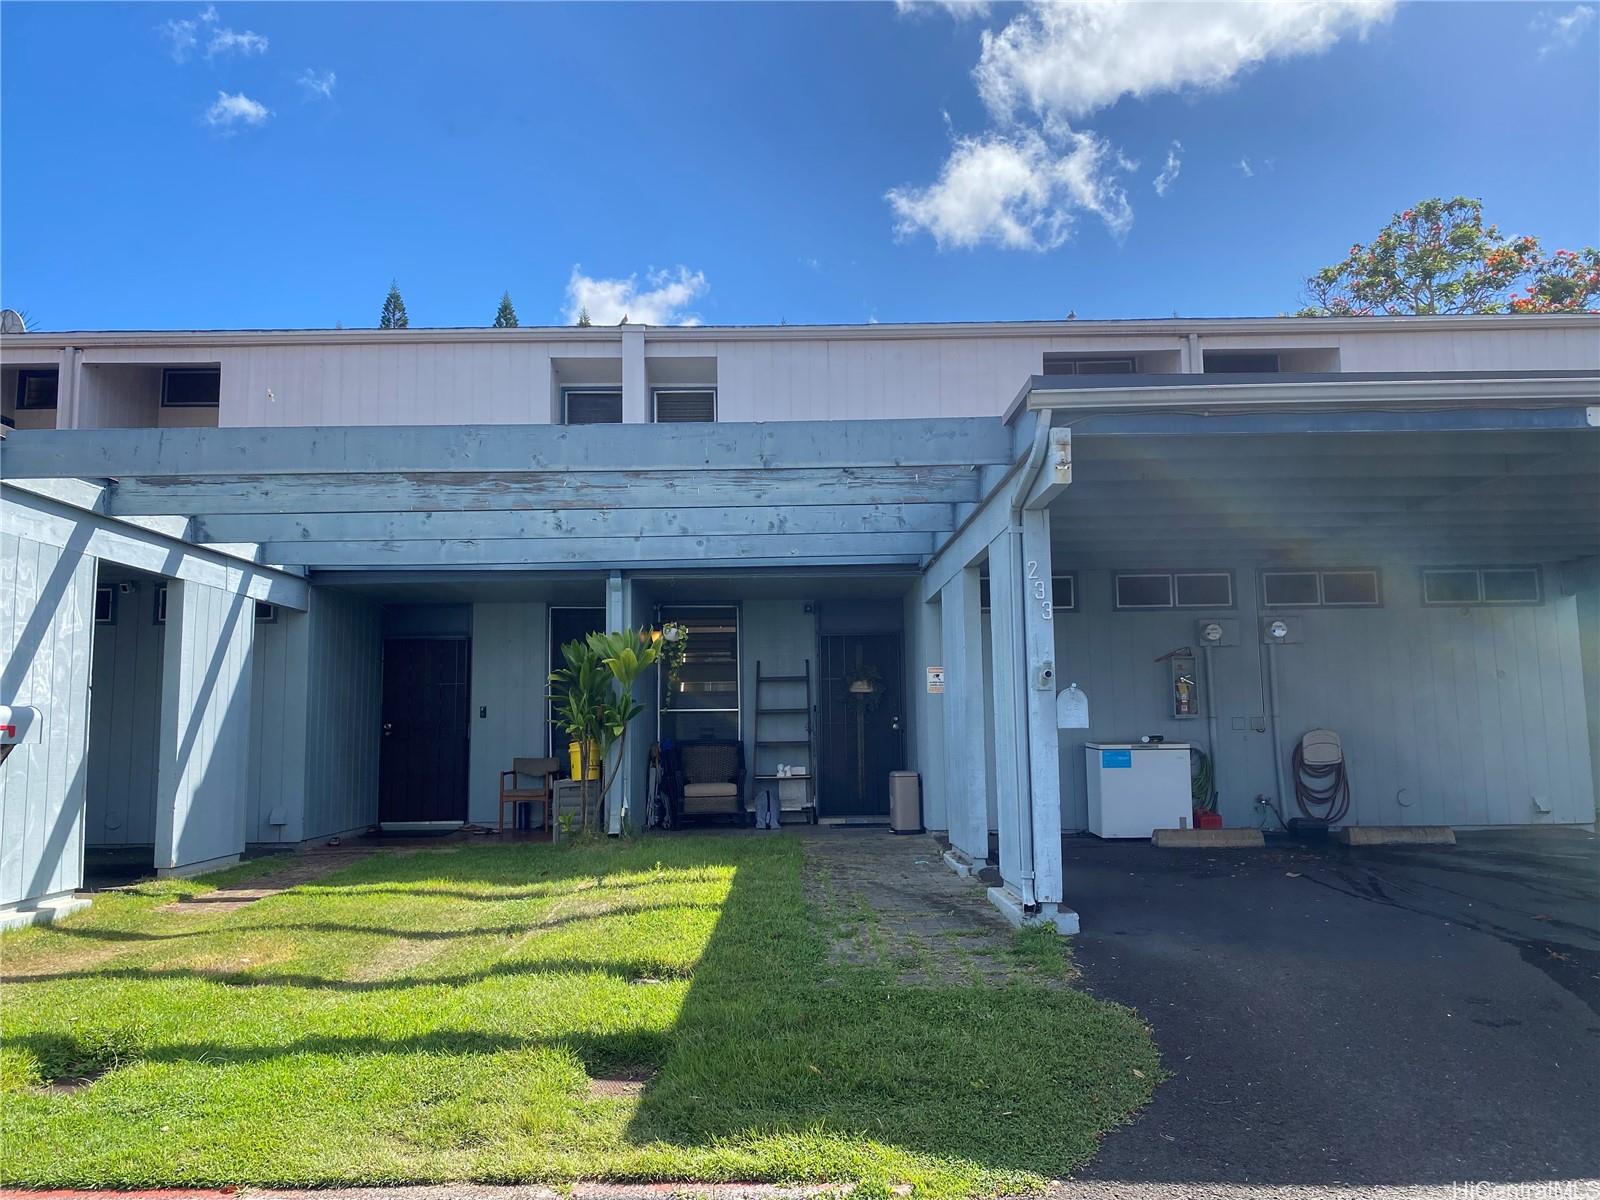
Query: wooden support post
point(1044, 755)
point(966, 789)
point(619, 616)
point(1006, 672)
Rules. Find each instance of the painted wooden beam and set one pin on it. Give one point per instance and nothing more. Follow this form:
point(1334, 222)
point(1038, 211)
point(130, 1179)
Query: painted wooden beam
point(592, 522)
point(201, 496)
point(599, 553)
point(1044, 751)
point(966, 782)
point(893, 564)
point(1006, 667)
point(55, 524)
point(1366, 421)
point(490, 449)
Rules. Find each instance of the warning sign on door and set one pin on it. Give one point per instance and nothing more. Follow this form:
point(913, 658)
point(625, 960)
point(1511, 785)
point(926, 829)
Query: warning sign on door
point(935, 681)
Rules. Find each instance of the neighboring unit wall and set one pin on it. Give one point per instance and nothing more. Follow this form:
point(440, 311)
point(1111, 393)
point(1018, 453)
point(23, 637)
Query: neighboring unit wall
point(782, 636)
point(47, 634)
point(124, 719)
point(205, 727)
point(510, 672)
point(317, 693)
point(1460, 716)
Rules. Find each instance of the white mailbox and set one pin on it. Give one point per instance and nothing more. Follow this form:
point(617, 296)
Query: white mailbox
point(19, 726)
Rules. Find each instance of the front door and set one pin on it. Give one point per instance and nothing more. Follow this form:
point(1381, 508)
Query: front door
point(422, 762)
point(861, 718)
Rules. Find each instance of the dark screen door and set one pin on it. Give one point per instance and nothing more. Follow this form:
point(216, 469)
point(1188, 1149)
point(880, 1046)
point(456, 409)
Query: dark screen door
point(422, 763)
point(860, 713)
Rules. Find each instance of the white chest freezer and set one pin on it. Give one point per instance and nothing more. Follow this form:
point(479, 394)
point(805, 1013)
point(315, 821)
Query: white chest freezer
point(1135, 789)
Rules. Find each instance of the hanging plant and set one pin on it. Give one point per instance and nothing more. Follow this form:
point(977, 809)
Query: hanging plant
point(674, 650)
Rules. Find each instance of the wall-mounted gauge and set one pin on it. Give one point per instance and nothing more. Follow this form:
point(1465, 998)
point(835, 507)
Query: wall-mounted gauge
point(1211, 631)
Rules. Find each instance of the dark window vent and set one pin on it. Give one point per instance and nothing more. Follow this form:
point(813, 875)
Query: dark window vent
point(37, 389)
point(594, 408)
point(1248, 362)
point(191, 387)
point(698, 405)
point(1078, 364)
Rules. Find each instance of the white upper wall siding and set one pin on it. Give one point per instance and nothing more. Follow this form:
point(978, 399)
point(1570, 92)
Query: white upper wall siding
point(472, 376)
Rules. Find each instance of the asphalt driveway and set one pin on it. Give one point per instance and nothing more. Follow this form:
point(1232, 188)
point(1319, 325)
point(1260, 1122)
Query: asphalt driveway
point(1412, 1018)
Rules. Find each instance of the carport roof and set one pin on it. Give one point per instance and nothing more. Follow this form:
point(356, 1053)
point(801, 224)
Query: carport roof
point(1326, 469)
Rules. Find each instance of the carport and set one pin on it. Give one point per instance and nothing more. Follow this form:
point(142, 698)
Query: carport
point(1407, 559)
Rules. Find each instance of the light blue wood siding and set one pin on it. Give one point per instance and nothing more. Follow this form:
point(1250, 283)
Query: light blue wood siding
point(278, 704)
point(124, 719)
point(1457, 716)
point(203, 778)
point(47, 634)
point(510, 653)
point(343, 702)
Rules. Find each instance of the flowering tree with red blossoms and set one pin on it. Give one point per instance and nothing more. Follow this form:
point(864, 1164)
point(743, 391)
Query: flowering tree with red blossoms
point(1439, 258)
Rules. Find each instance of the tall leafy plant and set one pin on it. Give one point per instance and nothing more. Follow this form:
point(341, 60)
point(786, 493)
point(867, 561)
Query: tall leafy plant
point(593, 693)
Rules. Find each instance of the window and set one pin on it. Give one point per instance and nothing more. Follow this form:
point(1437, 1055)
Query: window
point(591, 406)
point(1320, 589)
point(105, 605)
point(704, 701)
point(1481, 585)
point(1077, 364)
point(1235, 362)
point(1063, 592)
point(686, 404)
point(191, 387)
point(266, 614)
point(36, 389)
point(161, 604)
point(1135, 590)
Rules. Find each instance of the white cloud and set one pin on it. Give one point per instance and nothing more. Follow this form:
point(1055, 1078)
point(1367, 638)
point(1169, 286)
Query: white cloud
point(185, 36)
point(1562, 31)
point(1245, 168)
point(1066, 61)
point(230, 110)
point(961, 10)
point(317, 85)
point(661, 299)
point(1018, 191)
point(1022, 183)
point(1169, 173)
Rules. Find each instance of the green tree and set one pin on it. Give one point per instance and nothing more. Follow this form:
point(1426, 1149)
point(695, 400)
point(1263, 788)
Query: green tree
point(593, 696)
point(394, 310)
point(505, 316)
point(583, 317)
point(1439, 258)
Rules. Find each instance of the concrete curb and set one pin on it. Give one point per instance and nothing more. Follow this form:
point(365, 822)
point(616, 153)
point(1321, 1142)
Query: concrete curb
point(1208, 839)
point(1396, 835)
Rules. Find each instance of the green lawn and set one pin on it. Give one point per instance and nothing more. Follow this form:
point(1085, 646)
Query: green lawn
point(440, 1016)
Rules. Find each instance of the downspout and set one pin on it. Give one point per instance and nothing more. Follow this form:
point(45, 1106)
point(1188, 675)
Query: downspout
point(1030, 472)
point(1272, 726)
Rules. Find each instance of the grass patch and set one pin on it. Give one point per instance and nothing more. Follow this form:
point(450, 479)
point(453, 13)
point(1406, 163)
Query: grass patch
point(445, 1015)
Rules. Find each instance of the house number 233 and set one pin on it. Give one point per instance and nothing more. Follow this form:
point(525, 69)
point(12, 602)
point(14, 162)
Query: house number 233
point(1039, 590)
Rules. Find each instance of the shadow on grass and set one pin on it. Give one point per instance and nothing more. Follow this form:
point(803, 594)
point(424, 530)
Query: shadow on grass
point(773, 1045)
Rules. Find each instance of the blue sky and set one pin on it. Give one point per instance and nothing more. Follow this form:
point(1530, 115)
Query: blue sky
point(178, 166)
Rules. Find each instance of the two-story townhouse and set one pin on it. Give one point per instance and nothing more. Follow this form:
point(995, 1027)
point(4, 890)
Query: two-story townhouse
point(264, 587)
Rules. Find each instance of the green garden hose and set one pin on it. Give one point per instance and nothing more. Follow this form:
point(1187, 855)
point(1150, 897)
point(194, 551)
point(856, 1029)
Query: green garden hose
point(1202, 780)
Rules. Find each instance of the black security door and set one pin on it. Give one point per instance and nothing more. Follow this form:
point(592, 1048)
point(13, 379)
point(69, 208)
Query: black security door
point(862, 719)
point(422, 763)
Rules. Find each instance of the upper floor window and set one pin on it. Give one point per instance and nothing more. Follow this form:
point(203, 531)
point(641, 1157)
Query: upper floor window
point(1320, 589)
point(191, 387)
point(686, 404)
point(1481, 585)
point(37, 388)
point(1241, 362)
point(592, 406)
point(1146, 590)
point(1081, 364)
point(1063, 592)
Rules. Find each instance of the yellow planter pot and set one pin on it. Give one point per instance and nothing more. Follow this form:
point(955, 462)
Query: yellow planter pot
point(574, 750)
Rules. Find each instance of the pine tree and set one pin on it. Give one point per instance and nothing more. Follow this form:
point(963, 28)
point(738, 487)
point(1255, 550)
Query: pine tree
point(583, 317)
point(394, 309)
point(505, 316)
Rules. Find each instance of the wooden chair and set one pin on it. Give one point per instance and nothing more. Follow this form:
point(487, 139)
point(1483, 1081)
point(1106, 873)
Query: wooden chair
point(522, 789)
